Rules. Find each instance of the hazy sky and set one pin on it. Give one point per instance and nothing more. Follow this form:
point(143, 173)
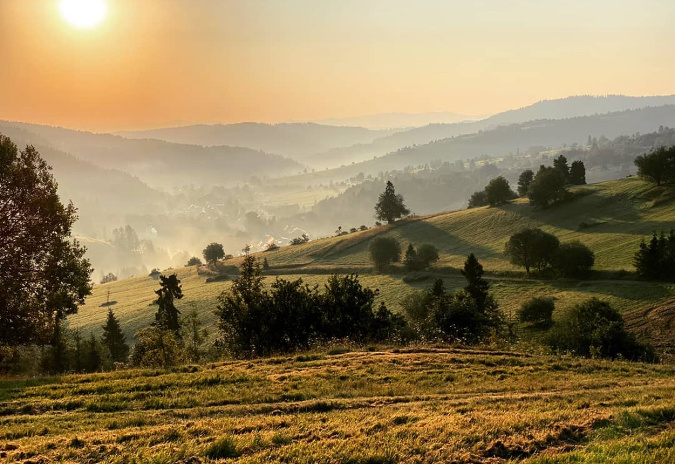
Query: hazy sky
point(167, 62)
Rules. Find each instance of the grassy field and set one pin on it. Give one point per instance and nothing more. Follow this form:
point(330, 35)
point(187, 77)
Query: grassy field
point(611, 218)
point(363, 407)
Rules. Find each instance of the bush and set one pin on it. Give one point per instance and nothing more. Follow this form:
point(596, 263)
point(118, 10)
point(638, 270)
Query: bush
point(156, 348)
point(384, 251)
point(573, 259)
point(422, 258)
point(300, 240)
point(109, 277)
point(194, 261)
point(537, 311)
point(595, 329)
point(478, 199)
point(292, 315)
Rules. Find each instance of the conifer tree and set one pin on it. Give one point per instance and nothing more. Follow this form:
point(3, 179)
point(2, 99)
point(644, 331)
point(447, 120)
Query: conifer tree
point(166, 317)
point(390, 206)
point(114, 339)
point(93, 357)
point(410, 260)
point(477, 287)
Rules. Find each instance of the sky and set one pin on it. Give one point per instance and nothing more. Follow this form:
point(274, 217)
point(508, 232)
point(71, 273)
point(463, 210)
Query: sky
point(155, 63)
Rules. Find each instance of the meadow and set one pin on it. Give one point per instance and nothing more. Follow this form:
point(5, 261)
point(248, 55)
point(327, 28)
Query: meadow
point(376, 406)
point(611, 218)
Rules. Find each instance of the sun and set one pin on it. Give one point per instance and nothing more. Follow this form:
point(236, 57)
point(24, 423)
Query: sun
point(84, 14)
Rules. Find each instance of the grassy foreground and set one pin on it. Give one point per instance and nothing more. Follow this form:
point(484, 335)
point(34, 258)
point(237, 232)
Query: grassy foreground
point(409, 405)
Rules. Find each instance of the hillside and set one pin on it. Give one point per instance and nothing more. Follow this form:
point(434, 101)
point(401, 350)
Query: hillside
point(296, 140)
point(493, 137)
point(379, 407)
point(611, 219)
point(161, 164)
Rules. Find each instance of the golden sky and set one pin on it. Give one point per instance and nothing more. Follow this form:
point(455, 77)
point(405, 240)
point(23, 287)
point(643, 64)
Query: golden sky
point(154, 63)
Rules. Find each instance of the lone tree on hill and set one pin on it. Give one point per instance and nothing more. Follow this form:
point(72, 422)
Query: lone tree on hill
point(213, 252)
point(44, 275)
point(390, 206)
point(524, 182)
point(384, 251)
point(578, 173)
point(114, 339)
point(166, 317)
point(498, 191)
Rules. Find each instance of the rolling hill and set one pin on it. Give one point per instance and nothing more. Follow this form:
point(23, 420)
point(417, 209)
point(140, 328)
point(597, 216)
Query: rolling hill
point(505, 140)
point(161, 164)
point(611, 218)
point(542, 112)
point(296, 140)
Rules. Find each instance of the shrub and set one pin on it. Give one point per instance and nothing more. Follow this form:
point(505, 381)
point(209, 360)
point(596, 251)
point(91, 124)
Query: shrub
point(478, 199)
point(109, 277)
point(384, 251)
point(422, 258)
point(595, 329)
point(156, 348)
point(194, 261)
point(304, 238)
point(573, 259)
point(537, 311)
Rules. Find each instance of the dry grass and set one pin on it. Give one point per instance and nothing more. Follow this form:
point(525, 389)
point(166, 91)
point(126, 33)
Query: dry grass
point(413, 405)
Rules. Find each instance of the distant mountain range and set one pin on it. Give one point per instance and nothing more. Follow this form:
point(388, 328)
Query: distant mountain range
point(509, 139)
point(544, 110)
point(295, 140)
point(161, 164)
point(400, 120)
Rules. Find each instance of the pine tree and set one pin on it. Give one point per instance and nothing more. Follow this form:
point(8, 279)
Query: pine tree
point(166, 317)
point(93, 355)
point(578, 173)
point(410, 260)
point(265, 265)
point(390, 206)
point(477, 287)
point(114, 339)
point(560, 163)
point(524, 181)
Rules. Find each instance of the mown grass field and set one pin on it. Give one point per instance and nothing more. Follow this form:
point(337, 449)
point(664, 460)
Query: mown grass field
point(410, 405)
point(611, 218)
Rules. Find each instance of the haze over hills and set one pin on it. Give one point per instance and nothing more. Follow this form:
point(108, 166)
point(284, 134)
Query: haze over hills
point(163, 165)
point(296, 140)
point(400, 120)
point(569, 107)
point(505, 140)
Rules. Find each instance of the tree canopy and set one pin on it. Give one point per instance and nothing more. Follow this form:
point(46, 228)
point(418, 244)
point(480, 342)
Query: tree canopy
point(44, 275)
point(213, 252)
point(658, 166)
point(498, 191)
point(547, 188)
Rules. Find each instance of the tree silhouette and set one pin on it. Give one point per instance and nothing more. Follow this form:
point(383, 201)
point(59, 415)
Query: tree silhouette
point(560, 163)
point(213, 252)
point(578, 173)
point(524, 182)
point(166, 317)
point(498, 191)
point(390, 206)
point(114, 339)
point(44, 275)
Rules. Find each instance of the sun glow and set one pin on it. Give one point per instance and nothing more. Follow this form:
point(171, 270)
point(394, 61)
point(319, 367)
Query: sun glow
point(84, 14)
